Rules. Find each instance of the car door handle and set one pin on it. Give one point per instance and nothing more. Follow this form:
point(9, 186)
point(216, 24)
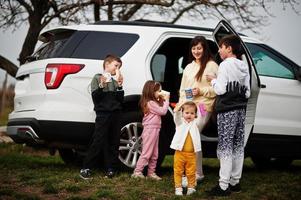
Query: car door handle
point(263, 86)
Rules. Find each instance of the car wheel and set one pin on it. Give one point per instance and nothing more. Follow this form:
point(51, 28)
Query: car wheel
point(130, 139)
point(283, 162)
point(261, 162)
point(268, 162)
point(71, 157)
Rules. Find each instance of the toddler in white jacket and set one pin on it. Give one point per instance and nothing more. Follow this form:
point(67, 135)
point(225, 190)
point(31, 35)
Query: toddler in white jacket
point(186, 142)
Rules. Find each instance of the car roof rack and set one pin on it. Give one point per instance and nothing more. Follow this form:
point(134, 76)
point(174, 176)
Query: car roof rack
point(151, 23)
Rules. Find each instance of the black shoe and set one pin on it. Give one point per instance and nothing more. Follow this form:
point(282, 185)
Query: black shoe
point(218, 191)
point(235, 188)
point(110, 174)
point(85, 174)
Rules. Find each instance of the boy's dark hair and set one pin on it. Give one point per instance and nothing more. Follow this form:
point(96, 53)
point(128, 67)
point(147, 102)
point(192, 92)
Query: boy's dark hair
point(110, 58)
point(234, 42)
point(190, 104)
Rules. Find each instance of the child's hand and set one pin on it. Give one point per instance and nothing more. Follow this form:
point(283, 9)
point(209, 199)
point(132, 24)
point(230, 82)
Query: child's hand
point(166, 97)
point(120, 80)
point(178, 107)
point(102, 80)
point(195, 91)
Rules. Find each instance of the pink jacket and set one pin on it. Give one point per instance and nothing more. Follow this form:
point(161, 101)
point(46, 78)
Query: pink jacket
point(153, 118)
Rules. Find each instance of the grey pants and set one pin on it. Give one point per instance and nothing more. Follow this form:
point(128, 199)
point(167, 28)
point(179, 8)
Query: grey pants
point(199, 155)
point(230, 148)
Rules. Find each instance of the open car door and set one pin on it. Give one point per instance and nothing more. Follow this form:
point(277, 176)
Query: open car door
point(222, 29)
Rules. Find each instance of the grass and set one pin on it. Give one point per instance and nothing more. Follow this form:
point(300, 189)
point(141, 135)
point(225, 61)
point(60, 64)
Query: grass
point(32, 174)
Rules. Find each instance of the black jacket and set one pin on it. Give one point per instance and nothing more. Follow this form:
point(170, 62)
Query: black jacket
point(108, 98)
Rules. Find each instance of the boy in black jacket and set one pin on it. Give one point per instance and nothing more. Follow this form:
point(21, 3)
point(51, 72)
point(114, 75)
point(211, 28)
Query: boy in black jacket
point(107, 96)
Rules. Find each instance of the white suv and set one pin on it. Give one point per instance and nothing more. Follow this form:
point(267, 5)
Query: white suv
point(53, 105)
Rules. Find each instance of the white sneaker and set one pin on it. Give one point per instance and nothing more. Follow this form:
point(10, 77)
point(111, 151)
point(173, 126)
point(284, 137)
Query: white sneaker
point(137, 175)
point(190, 191)
point(154, 176)
point(179, 191)
point(184, 181)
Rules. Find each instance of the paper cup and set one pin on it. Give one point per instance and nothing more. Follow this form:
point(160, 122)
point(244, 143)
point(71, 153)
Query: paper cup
point(164, 93)
point(108, 77)
point(188, 94)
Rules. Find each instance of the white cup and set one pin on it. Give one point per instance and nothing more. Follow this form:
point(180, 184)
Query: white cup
point(164, 93)
point(108, 77)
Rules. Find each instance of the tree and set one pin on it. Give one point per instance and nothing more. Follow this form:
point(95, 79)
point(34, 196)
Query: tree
point(40, 13)
point(8, 66)
point(37, 14)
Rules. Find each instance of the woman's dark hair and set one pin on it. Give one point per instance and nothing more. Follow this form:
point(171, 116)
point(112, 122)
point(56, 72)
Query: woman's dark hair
point(206, 57)
point(148, 94)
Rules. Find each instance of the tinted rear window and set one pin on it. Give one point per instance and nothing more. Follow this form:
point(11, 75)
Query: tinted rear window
point(86, 45)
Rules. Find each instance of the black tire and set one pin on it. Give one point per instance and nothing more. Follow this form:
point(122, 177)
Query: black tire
point(282, 163)
point(71, 157)
point(261, 162)
point(268, 162)
point(132, 121)
point(130, 139)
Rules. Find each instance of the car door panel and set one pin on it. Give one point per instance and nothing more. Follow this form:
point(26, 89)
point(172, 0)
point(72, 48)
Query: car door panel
point(279, 102)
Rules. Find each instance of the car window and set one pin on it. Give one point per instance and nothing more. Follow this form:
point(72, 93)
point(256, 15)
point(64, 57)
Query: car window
point(86, 45)
point(268, 64)
point(96, 45)
point(52, 48)
point(158, 65)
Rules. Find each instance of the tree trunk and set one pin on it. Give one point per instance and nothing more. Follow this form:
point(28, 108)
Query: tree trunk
point(3, 98)
point(8, 66)
point(96, 12)
point(30, 41)
point(110, 10)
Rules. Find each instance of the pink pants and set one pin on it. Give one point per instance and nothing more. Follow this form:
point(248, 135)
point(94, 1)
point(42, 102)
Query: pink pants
point(149, 155)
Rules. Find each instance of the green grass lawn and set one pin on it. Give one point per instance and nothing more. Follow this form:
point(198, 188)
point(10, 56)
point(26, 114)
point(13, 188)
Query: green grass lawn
point(32, 174)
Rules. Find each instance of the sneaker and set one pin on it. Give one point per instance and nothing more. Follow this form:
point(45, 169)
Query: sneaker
point(179, 191)
point(190, 191)
point(184, 181)
point(235, 188)
point(137, 175)
point(85, 174)
point(199, 178)
point(154, 176)
point(110, 173)
point(218, 191)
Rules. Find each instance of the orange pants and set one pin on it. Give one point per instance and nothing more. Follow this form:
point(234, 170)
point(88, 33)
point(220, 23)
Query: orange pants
point(184, 161)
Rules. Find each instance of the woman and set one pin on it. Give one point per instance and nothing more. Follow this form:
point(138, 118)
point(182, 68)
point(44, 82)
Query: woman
point(194, 78)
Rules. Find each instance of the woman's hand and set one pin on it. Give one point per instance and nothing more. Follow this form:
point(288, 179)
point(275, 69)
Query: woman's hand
point(195, 91)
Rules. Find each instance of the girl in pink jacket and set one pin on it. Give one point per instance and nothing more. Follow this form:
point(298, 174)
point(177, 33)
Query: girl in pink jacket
point(154, 105)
